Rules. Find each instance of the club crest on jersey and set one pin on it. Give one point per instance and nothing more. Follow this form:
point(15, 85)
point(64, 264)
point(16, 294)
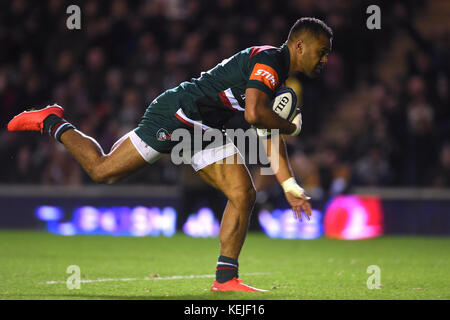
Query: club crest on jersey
point(163, 135)
point(265, 74)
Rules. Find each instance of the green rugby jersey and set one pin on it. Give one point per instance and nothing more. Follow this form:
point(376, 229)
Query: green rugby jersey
point(219, 93)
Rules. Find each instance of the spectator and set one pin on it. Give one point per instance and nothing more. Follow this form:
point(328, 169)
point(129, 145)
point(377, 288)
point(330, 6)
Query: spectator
point(373, 169)
point(440, 176)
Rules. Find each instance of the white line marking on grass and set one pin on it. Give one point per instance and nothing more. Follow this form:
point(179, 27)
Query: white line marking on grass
point(200, 276)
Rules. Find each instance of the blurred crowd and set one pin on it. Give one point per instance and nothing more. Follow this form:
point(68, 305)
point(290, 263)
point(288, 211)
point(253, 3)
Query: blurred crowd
point(128, 52)
point(402, 132)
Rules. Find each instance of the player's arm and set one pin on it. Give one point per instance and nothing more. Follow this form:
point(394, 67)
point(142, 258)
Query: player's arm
point(294, 193)
point(259, 114)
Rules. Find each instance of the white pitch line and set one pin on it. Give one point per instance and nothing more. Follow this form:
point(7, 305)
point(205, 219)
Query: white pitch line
point(201, 276)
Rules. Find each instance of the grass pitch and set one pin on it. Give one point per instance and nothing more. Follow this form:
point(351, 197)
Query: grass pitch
point(33, 265)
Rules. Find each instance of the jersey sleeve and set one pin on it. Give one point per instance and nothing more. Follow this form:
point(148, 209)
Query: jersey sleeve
point(264, 74)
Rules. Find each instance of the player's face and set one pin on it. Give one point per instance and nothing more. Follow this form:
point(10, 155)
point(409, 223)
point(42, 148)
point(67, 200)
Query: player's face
point(316, 55)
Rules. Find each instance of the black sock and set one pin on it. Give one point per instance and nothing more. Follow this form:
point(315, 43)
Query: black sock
point(226, 269)
point(56, 126)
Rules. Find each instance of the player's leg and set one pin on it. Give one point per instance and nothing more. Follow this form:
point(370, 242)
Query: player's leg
point(123, 159)
point(127, 155)
point(233, 179)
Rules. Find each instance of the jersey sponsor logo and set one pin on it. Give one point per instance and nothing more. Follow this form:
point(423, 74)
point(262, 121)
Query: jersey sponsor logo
point(266, 74)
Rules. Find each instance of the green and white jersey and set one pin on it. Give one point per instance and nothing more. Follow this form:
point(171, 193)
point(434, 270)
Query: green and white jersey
point(219, 93)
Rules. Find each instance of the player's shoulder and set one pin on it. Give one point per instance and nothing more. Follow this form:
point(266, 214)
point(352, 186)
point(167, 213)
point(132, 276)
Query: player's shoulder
point(267, 55)
point(260, 52)
point(267, 67)
point(264, 50)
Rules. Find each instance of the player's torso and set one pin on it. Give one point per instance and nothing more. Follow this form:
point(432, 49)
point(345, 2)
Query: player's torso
point(220, 92)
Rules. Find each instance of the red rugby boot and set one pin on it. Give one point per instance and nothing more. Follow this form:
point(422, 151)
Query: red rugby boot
point(34, 120)
point(234, 284)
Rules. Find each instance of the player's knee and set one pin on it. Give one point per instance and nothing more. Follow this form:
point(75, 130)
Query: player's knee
point(103, 179)
point(243, 197)
point(100, 176)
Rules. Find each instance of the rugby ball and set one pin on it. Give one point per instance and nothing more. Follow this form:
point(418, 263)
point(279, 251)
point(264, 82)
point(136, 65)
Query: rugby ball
point(285, 103)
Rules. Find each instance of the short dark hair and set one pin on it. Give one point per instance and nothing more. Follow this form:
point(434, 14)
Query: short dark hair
point(312, 25)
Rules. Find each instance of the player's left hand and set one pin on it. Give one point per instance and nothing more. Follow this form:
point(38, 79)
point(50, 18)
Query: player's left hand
point(299, 204)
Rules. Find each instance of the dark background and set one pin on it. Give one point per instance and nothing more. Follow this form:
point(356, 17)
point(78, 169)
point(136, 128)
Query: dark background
point(378, 117)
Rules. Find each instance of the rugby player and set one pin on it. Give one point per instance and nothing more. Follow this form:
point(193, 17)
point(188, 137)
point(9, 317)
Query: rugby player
point(246, 82)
